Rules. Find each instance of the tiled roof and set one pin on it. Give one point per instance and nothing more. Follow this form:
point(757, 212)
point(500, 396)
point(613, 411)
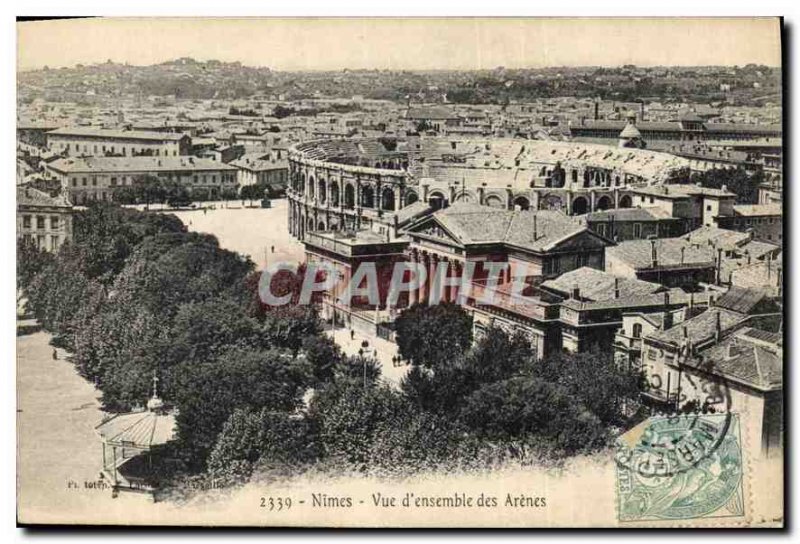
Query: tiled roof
point(700, 328)
point(631, 214)
point(758, 209)
point(757, 249)
point(537, 231)
point(682, 190)
point(638, 253)
point(743, 358)
point(136, 164)
point(28, 196)
point(598, 285)
point(717, 237)
point(116, 134)
point(741, 300)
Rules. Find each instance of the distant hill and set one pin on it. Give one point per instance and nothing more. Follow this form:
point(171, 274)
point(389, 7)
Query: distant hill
point(187, 78)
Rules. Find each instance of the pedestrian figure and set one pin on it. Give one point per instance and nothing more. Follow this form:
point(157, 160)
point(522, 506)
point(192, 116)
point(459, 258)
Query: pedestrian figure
point(375, 352)
point(272, 249)
point(55, 355)
point(352, 334)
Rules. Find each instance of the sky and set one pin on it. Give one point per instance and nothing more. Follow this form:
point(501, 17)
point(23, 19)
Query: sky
point(392, 43)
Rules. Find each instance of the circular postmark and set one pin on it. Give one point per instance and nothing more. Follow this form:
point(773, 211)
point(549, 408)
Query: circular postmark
point(678, 435)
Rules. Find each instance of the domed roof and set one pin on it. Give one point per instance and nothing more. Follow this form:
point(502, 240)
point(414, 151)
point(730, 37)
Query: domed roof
point(630, 131)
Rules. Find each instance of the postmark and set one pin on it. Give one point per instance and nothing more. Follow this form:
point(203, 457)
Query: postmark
point(681, 467)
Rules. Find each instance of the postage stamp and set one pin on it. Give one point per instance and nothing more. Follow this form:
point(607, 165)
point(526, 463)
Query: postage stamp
point(683, 467)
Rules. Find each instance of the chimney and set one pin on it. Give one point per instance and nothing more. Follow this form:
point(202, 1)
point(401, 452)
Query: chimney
point(616, 287)
point(718, 329)
point(641, 110)
point(683, 251)
point(535, 231)
point(576, 292)
point(653, 253)
point(691, 300)
point(666, 298)
point(596, 110)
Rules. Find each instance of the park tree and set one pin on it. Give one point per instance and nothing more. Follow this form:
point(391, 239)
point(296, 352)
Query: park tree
point(433, 335)
point(530, 406)
point(167, 270)
point(323, 355)
point(31, 260)
point(264, 438)
point(207, 393)
point(595, 379)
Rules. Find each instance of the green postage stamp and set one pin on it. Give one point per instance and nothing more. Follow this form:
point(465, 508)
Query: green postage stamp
point(682, 467)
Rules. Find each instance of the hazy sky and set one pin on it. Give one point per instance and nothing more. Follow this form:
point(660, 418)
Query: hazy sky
point(461, 43)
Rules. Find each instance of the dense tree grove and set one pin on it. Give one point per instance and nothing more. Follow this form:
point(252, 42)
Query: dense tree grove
point(259, 387)
point(738, 181)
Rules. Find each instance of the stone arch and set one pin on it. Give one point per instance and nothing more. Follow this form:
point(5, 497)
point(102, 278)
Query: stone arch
point(387, 199)
point(349, 196)
point(367, 196)
point(579, 205)
point(495, 201)
point(523, 202)
point(311, 186)
point(310, 223)
point(321, 225)
point(436, 200)
point(626, 201)
point(551, 202)
point(411, 197)
point(334, 193)
point(604, 203)
point(464, 196)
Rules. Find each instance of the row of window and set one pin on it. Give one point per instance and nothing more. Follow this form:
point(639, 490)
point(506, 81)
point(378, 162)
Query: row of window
point(42, 241)
point(128, 180)
point(113, 150)
point(41, 222)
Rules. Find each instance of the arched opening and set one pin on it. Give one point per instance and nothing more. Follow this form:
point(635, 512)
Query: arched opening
point(637, 330)
point(436, 200)
point(322, 191)
point(604, 203)
point(387, 199)
point(321, 225)
point(551, 202)
point(463, 197)
point(411, 197)
point(334, 194)
point(367, 197)
point(587, 178)
point(311, 186)
point(494, 201)
point(616, 180)
point(349, 197)
point(574, 176)
point(579, 206)
point(310, 223)
point(522, 202)
point(625, 201)
point(303, 183)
